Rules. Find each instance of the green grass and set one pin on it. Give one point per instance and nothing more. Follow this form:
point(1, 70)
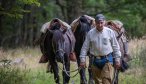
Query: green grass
point(31, 72)
point(13, 76)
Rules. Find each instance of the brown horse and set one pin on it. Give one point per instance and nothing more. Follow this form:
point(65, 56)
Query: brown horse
point(81, 26)
point(122, 39)
point(58, 44)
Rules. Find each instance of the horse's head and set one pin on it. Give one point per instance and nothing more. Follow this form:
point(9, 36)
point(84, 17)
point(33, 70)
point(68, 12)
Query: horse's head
point(58, 41)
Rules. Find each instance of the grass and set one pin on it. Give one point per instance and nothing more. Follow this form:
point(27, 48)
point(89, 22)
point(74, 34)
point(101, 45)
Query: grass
point(29, 71)
point(13, 76)
point(136, 74)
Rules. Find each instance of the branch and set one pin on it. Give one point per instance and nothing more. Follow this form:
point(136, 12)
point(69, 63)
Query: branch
point(62, 8)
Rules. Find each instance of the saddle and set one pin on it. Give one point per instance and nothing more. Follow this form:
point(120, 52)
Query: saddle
point(75, 23)
point(71, 37)
point(47, 25)
point(122, 39)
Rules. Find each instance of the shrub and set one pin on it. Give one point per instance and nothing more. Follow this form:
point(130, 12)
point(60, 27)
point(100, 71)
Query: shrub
point(9, 75)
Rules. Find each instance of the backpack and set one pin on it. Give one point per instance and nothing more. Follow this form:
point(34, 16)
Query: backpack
point(121, 35)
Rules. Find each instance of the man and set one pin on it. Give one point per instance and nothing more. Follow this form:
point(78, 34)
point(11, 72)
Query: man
point(103, 46)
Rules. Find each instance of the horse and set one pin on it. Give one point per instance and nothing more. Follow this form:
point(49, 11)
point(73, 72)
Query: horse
point(120, 33)
point(80, 33)
point(57, 47)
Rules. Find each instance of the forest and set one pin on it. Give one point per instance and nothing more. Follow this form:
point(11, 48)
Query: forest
point(21, 20)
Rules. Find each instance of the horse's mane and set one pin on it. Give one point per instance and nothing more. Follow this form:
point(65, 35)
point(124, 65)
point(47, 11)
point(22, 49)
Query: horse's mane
point(58, 35)
point(85, 19)
point(80, 33)
point(55, 25)
point(83, 26)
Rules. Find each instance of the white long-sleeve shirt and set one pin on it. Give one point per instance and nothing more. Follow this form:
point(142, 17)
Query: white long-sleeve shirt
point(100, 43)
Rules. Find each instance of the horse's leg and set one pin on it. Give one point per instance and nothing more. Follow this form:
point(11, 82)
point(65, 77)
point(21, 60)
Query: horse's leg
point(54, 66)
point(66, 77)
point(116, 78)
point(83, 79)
point(49, 68)
point(91, 81)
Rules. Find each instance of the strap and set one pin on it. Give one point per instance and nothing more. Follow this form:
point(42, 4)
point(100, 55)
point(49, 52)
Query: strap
point(119, 36)
point(71, 38)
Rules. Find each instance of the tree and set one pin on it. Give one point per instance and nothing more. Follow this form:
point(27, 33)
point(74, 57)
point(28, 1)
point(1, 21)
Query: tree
point(71, 9)
point(10, 15)
point(21, 20)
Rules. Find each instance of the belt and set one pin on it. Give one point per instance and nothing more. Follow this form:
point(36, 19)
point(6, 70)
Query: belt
point(100, 57)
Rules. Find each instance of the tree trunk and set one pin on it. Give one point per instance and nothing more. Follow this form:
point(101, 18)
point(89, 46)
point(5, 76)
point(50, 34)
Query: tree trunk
point(2, 5)
point(71, 10)
point(74, 9)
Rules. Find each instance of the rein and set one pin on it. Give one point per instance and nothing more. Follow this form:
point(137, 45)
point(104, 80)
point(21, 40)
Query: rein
point(64, 68)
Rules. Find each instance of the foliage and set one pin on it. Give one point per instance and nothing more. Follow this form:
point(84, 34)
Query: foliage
point(13, 76)
point(130, 12)
point(21, 20)
point(15, 10)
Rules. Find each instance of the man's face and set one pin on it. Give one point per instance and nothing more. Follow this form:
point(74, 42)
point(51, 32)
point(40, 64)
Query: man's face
point(100, 24)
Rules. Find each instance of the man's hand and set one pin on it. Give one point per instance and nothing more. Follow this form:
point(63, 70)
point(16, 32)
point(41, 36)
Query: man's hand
point(117, 64)
point(83, 64)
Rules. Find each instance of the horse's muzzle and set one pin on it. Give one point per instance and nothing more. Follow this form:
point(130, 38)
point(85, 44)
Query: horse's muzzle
point(59, 58)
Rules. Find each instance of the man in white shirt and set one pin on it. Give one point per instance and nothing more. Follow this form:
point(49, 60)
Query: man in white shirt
point(103, 46)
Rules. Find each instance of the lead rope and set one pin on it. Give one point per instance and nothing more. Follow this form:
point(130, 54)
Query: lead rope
point(65, 67)
point(115, 75)
point(64, 70)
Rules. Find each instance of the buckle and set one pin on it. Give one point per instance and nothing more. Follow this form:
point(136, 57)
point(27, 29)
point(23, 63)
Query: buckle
point(98, 57)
